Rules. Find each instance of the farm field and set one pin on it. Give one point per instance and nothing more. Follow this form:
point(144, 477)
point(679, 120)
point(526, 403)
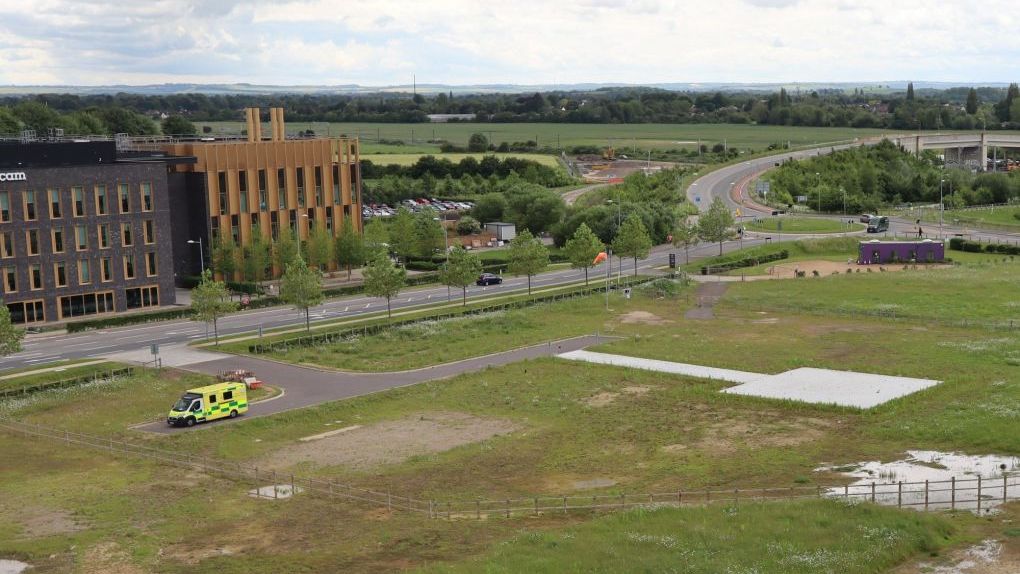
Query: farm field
point(641, 136)
point(514, 431)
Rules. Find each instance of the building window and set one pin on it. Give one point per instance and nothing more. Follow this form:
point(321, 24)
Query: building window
point(84, 272)
point(106, 269)
point(293, 222)
point(243, 196)
point(78, 194)
point(125, 197)
point(55, 212)
point(87, 304)
point(263, 193)
point(336, 184)
point(7, 241)
point(140, 297)
point(126, 238)
point(81, 237)
point(329, 219)
point(32, 236)
point(242, 186)
point(300, 187)
point(255, 220)
point(149, 229)
point(221, 188)
point(29, 205)
point(10, 280)
point(214, 227)
point(27, 312)
point(35, 277)
point(274, 225)
point(129, 267)
point(60, 274)
point(318, 185)
point(58, 240)
point(5, 206)
point(235, 231)
point(146, 197)
point(281, 188)
point(150, 264)
point(104, 236)
point(102, 201)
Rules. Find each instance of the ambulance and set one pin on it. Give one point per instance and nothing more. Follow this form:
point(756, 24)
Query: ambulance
point(209, 403)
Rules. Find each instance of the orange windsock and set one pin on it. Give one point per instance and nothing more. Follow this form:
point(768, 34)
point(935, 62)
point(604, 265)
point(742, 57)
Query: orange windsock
point(599, 258)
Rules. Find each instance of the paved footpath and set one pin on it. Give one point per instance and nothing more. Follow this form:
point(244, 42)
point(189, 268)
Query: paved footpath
point(306, 386)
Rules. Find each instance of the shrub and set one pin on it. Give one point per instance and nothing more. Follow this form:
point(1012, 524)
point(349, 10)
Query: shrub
point(745, 262)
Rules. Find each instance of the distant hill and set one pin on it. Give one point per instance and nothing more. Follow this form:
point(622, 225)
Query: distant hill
point(167, 89)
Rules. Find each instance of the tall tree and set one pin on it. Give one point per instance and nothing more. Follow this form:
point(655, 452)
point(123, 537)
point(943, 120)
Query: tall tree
point(715, 225)
point(178, 126)
point(376, 239)
point(320, 247)
point(10, 336)
point(632, 240)
point(349, 248)
point(286, 248)
point(210, 300)
point(301, 286)
point(257, 256)
point(685, 235)
point(972, 102)
point(224, 256)
point(460, 270)
point(403, 239)
point(910, 91)
point(582, 249)
point(527, 256)
point(429, 234)
point(384, 279)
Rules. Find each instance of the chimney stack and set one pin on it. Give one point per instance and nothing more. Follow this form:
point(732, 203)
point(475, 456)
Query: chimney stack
point(253, 117)
point(276, 122)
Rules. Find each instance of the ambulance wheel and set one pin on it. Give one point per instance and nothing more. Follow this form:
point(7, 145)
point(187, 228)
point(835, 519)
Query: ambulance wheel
point(190, 422)
point(233, 414)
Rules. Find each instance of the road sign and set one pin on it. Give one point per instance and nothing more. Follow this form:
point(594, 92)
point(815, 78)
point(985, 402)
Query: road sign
point(154, 348)
point(672, 260)
point(697, 199)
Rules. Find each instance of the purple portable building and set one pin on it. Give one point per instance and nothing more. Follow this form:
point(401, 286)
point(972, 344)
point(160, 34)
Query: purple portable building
point(925, 251)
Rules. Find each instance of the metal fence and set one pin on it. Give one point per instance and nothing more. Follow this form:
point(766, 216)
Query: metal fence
point(974, 493)
point(64, 383)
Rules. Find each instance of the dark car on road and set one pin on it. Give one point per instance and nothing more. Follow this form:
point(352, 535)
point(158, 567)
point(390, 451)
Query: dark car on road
point(488, 279)
point(878, 224)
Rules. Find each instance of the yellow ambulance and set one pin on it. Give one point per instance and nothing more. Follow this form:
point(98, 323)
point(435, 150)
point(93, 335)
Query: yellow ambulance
point(208, 404)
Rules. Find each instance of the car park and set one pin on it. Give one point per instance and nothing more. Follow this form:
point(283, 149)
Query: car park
point(488, 279)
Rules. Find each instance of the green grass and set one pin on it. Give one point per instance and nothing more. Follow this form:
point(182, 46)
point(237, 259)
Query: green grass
point(642, 136)
point(67, 370)
point(807, 248)
point(997, 217)
point(801, 225)
point(410, 158)
point(779, 538)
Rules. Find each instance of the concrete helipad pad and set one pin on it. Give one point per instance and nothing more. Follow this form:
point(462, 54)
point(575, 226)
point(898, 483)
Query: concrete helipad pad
point(820, 386)
point(825, 386)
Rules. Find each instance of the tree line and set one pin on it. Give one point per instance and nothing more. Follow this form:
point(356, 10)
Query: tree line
point(957, 108)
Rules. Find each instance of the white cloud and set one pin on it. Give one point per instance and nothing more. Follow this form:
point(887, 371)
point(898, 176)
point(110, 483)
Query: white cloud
point(525, 41)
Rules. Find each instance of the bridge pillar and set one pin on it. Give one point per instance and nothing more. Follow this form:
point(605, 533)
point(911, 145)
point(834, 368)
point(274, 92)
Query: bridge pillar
point(984, 152)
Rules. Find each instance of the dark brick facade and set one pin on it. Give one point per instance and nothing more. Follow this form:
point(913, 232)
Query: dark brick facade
point(64, 179)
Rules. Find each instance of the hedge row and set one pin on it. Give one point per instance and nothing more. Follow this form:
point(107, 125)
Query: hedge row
point(745, 262)
point(961, 244)
point(364, 330)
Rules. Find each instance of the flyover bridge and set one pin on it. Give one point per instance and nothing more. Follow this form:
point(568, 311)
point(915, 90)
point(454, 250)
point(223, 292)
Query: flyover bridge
point(968, 150)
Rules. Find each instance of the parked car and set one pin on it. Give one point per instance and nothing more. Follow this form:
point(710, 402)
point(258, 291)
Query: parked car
point(488, 279)
point(878, 224)
point(866, 217)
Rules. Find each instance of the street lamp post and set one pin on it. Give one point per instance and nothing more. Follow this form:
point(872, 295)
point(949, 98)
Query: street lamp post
point(942, 207)
point(818, 187)
point(201, 253)
point(446, 250)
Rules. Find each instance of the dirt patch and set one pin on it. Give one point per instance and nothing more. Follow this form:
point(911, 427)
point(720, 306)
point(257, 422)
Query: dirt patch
point(636, 390)
point(108, 558)
point(601, 399)
point(38, 522)
point(726, 437)
point(392, 441)
point(643, 318)
point(824, 268)
point(593, 483)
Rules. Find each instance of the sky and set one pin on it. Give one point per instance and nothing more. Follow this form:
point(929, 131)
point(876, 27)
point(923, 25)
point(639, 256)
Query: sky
point(471, 42)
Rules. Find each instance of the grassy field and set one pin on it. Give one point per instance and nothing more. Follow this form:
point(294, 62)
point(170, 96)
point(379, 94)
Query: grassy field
point(775, 539)
point(65, 370)
point(410, 158)
point(801, 225)
point(574, 429)
point(641, 136)
point(1005, 217)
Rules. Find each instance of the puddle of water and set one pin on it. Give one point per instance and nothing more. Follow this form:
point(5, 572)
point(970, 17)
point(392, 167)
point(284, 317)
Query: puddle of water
point(12, 567)
point(1000, 480)
point(275, 491)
